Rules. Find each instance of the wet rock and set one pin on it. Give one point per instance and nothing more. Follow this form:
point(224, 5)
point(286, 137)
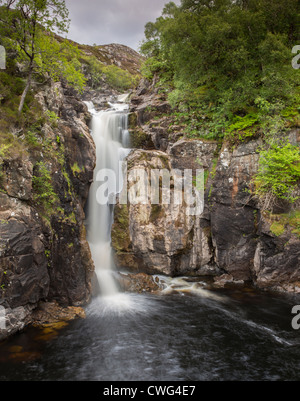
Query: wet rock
point(232, 235)
point(233, 213)
point(234, 239)
point(225, 280)
point(23, 264)
point(17, 180)
point(277, 260)
point(138, 283)
point(142, 89)
point(15, 320)
point(50, 313)
point(197, 154)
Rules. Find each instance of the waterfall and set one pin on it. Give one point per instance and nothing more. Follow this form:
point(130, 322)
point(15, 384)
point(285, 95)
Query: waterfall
point(110, 133)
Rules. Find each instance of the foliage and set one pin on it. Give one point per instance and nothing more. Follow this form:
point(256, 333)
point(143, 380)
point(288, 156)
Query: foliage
point(225, 61)
point(11, 88)
point(279, 171)
point(59, 60)
point(115, 76)
point(44, 193)
point(3, 152)
point(119, 79)
point(280, 222)
point(25, 23)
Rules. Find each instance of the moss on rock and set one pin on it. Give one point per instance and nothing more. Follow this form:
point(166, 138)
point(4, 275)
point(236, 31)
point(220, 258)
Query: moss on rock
point(120, 231)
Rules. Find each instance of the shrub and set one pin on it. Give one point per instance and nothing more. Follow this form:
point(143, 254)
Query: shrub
point(279, 173)
point(44, 194)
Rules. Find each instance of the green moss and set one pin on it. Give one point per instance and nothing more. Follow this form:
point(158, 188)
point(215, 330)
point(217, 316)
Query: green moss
point(120, 231)
point(282, 222)
point(277, 228)
point(294, 222)
point(76, 169)
point(291, 115)
point(157, 212)
point(43, 191)
point(138, 138)
point(132, 120)
point(64, 217)
point(98, 71)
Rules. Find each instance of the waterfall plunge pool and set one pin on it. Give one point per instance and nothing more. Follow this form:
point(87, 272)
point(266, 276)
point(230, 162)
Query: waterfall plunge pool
point(239, 334)
point(189, 334)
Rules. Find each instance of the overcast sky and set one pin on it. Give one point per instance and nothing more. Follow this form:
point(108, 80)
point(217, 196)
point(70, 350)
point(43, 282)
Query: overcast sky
point(112, 21)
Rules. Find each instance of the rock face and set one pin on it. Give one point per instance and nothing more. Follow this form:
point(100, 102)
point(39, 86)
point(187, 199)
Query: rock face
point(44, 255)
point(161, 238)
point(277, 259)
point(120, 55)
point(114, 53)
point(233, 216)
point(231, 238)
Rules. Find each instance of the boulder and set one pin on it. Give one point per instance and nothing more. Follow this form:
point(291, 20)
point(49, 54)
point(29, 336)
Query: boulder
point(138, 283)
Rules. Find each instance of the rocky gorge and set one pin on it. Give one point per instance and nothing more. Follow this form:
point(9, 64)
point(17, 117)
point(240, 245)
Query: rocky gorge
point(234, 239)
point(46, 268)
point(44, 253)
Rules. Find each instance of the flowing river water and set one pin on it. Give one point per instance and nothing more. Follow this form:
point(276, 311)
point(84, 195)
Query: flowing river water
point(188, 331)
point(210, 335)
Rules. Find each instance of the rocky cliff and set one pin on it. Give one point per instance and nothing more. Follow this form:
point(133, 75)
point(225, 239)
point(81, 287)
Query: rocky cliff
point(44, 255)
point(233, 239)
point(47, 158)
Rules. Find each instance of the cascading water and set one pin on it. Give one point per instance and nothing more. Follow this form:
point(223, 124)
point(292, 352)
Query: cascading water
point(110, 134)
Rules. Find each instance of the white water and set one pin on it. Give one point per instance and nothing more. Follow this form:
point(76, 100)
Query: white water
point(110, 133)
point(111, 137)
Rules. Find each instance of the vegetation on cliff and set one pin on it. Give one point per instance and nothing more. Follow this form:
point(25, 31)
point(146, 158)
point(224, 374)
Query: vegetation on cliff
point(37, 59)
point(25, 23)
point(227, 69)
point(27, 33)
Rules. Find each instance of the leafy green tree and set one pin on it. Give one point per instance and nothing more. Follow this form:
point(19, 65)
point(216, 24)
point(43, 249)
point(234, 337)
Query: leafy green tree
point(223, 57)
point(59, 59)
point(24, 20)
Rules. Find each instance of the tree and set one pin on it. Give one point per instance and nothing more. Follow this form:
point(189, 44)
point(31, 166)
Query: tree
point(58, 59)
point(279, 174)
point(229, 53)
point(24, 20)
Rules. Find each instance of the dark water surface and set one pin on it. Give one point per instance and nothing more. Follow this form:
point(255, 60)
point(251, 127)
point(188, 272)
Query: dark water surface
point(219, 335)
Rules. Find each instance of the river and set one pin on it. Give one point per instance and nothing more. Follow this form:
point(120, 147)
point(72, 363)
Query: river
point(239, 334)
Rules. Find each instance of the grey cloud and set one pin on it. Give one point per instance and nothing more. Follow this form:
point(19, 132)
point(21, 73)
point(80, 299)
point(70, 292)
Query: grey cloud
point(112, 21)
